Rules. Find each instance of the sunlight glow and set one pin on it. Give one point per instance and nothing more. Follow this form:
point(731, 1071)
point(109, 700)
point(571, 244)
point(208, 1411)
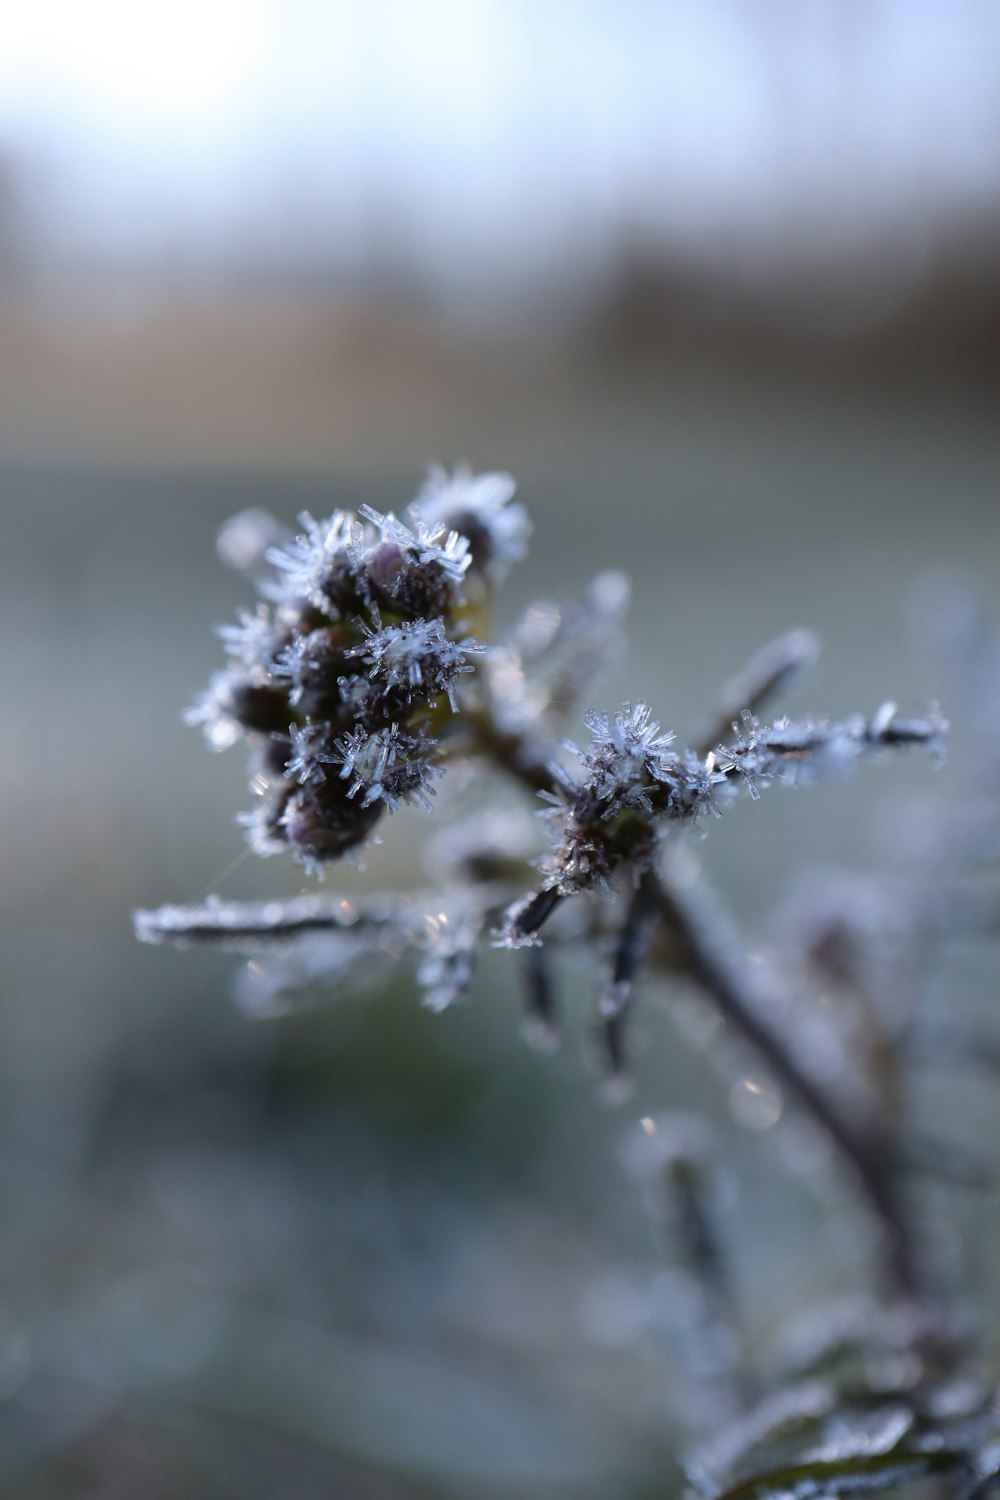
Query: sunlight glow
point(186, 63)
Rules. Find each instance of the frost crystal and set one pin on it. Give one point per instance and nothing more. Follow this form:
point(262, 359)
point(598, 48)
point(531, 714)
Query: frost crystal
point(313, 665)
point(431, 545)
point(629, 766)
point(312, 749)
point(624, 757)
point(392, 766)
point(793, 1407)
point(582, 854)
point(312, 562)
point(800, 752)
point(256, 641)
point(632, 780)
point(247, 538)
point(263, 827)
point(478, 506)
point(417, 659)
point(450, 940)
point(359, 697)
point(212, 713)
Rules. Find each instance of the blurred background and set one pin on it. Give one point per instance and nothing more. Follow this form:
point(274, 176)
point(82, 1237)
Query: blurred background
point(720, 285)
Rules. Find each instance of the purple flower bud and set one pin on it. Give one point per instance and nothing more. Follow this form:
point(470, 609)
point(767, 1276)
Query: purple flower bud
point(478, 507)
point(316, 663)
point(321, 822)
point(416, 659)
point(235, 703)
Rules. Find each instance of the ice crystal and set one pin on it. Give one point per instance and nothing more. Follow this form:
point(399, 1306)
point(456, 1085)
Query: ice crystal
point(212, 713)
point(312, 748)
point(414, 571)
point(629, 766)
point(632, 784)
point(788, 1410)
point(390, 765)
point(313, 666)
point(432, 545)
point(798, 752)
point(451, 941)
point(417, 659)
point(263, 825)
point(625, 755)
point(525, 916)
point(478, 507)
point(364, 700)
point(234, 704)
point(314, 566)
point(245, 541)
point(873, 1433)
point(583, 853)
point(257, 641)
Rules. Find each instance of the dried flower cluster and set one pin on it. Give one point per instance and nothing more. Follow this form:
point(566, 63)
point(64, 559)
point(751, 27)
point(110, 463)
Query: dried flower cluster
point(337, 679)
point(358, 678)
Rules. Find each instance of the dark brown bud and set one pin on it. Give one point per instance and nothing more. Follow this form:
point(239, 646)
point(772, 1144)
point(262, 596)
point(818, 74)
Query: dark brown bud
point(261, 707)
point(401, 582)
point(321, 822)
point(319, 665)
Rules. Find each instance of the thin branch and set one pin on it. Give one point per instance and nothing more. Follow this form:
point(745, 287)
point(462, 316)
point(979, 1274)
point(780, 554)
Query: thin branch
point(631, 948)
point(234, 922)
point(765, 674)
point(705, 949)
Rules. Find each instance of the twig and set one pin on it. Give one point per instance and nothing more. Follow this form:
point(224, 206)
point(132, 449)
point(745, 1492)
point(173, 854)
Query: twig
point(705, 949)
point(764, 675)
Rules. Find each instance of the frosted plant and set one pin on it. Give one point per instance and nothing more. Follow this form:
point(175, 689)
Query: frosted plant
point(360, 682)
point(367, 674)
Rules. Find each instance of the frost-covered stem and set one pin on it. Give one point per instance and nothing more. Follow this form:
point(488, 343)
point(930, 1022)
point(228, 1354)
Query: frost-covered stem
point(703, 950)
point(237, 922)
point(510, 752)
point(630, 955)
point(541, 1017)
point(764, 675)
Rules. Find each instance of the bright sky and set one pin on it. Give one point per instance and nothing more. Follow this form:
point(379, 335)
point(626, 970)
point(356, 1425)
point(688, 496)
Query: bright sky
point(505, 136)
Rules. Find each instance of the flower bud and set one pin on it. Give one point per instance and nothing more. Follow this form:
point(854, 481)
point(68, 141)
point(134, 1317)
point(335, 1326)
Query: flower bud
point(321, 822)
point(261, 707)
point(317, 664)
